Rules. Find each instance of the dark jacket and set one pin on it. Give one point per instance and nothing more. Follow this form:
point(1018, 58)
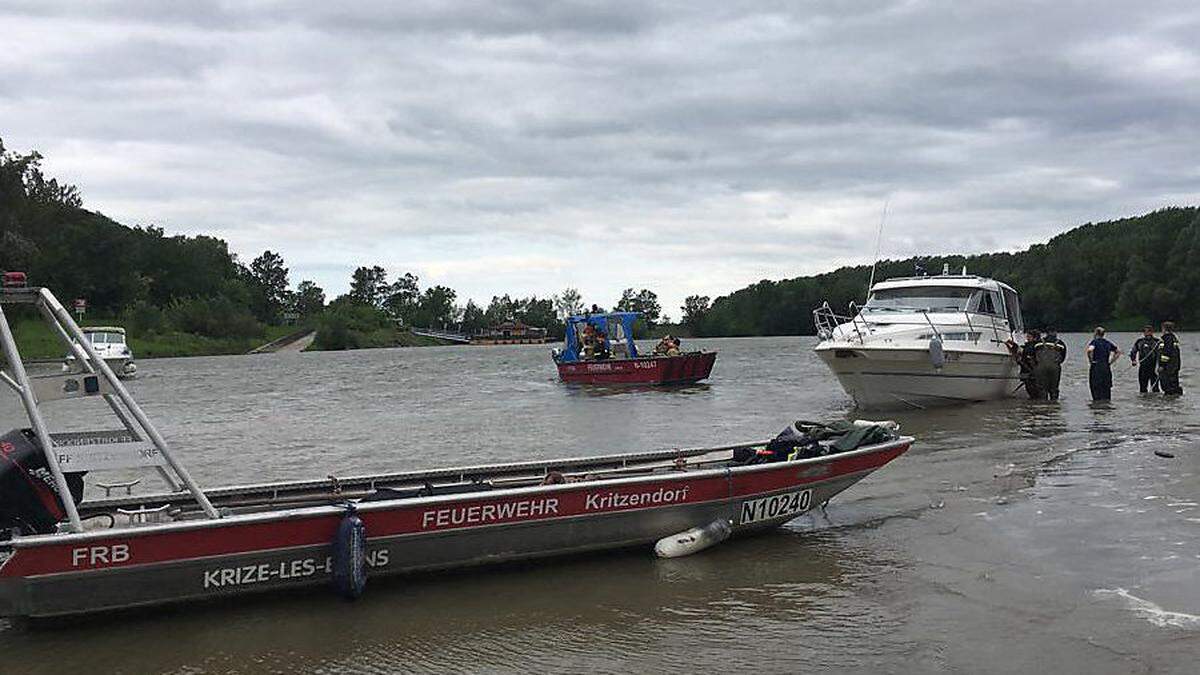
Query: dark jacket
point(1144, 349)
point(1169, 354)
point(1050, 345)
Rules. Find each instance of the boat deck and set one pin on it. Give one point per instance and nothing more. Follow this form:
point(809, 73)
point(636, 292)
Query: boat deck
point(247, 499)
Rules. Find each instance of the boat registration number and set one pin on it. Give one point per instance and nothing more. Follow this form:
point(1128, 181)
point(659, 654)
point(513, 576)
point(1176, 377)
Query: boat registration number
point(775, 506)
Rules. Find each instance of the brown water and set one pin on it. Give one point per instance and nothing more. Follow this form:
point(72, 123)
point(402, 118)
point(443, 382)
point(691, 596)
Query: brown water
point(1015, 537)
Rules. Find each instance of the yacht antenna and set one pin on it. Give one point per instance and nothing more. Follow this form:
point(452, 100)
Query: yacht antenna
point(878, 240)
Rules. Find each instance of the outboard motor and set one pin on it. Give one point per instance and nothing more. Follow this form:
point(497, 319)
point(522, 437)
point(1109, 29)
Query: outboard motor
point(28, 501)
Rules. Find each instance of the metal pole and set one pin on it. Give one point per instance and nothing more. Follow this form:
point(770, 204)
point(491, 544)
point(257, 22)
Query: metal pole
point(82, 358)
point(10, 382)
point(64, 318)
point(35, 418)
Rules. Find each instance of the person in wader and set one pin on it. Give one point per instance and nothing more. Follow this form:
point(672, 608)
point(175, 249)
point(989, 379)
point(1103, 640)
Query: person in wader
point(1168, 361)
point(1025, 356)
point(1144, 355)
point(1049, 355)
point(1101, 353)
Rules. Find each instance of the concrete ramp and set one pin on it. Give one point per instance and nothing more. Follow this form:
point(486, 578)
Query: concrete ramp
point(293, 342)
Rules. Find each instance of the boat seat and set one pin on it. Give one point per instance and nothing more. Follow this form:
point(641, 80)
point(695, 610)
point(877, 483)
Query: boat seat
point(145, 514)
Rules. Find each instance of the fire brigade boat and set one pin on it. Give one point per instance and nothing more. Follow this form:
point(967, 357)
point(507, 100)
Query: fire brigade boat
point(63, 555)
point(599, 349)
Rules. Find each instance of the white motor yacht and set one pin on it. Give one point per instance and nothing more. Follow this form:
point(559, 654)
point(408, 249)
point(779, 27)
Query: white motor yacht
point(109, 343)
point(924, 341)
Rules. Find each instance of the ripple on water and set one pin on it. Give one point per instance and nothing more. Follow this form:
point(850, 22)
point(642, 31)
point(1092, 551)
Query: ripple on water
point(969, 554)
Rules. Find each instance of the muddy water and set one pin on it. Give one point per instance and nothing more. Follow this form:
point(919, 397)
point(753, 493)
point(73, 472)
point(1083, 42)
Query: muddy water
point(1015, 537)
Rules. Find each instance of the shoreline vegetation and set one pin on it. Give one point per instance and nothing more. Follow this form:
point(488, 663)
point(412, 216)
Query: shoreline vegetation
point(190, 296)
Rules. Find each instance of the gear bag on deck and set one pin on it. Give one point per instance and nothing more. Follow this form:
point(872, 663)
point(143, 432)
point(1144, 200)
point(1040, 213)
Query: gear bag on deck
point(802, 440)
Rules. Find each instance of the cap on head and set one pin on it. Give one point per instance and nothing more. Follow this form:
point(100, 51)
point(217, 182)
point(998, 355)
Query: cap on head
point(1168, 326)
point(1099, 331)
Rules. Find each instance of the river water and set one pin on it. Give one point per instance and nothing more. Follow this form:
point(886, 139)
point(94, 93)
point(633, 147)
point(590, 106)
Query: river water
point(1014, 537)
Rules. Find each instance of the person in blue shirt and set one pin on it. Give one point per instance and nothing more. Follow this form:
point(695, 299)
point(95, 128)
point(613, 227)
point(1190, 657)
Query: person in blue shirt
point(1101, 354)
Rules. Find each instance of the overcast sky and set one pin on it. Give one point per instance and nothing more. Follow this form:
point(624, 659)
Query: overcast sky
point(689, 147)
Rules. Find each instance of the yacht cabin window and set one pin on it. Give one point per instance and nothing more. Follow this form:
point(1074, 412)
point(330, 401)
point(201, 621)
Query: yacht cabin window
point(988, 302)
point(106, 338)
point(921, 299)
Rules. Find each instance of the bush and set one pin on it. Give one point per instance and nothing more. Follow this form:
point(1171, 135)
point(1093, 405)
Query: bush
point(347, 325)
point(143, 318)
point(213, 317)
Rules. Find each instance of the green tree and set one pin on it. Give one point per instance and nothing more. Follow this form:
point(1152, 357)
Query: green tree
point(404, 298)
point(694, 308)
point(473, 319)
point(500, 309)
point(369, 286)
point(643, 301)
point(269, 278)
point(568, 303)
point(309, 299)
point(436, 308)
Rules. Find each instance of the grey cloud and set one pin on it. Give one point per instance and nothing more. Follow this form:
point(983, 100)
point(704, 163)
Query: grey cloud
point(707, 143)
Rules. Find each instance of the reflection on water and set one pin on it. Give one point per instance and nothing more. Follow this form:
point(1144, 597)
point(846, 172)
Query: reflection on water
point(993, 546)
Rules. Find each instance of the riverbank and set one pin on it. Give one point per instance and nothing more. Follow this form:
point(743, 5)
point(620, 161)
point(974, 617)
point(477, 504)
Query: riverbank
point(336, 341)
point(37, 341)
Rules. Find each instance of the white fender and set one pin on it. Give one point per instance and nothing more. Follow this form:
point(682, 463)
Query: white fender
point(694, 540)
point(937, 357)
point(886, 424)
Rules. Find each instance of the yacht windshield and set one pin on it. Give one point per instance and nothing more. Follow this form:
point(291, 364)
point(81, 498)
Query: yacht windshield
point(921, 299)
point(106, 338)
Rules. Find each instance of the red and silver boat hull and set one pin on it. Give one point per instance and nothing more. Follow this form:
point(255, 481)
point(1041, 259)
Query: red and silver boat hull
point(682, 369)
point(64, 574)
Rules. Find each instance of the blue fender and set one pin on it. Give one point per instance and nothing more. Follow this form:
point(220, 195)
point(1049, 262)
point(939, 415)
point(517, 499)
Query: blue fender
point(350, 556)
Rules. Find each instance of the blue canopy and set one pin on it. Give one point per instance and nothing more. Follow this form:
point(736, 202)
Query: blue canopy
point(616, 327)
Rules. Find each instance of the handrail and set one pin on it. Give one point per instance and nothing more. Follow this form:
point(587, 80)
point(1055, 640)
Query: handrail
point(936, 332)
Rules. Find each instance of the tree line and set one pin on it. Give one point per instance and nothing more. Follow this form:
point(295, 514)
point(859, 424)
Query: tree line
point(1122, 273)
point(1130, 270)
point(154, 282)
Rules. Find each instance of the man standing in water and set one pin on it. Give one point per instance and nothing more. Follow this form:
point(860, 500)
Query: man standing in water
point(1025, 356)
point(1101, 354)
point(1168, 361)
point(1145, 356)
point(1050, 353)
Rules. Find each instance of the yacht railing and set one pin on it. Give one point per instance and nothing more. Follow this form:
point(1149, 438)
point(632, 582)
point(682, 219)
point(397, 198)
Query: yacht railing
point(830, 325)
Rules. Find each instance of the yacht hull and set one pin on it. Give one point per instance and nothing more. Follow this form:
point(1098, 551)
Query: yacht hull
point(888, 378)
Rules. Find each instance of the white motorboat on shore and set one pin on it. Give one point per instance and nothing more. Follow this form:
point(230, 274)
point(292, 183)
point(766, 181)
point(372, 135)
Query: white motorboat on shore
point(109, 342)
point(924, 341)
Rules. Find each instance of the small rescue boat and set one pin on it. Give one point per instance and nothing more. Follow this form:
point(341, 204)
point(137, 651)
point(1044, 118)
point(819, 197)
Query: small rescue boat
point(64, 555)
point(599, 349)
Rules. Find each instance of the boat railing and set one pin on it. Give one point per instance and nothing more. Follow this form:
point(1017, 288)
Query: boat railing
point(138, 445)
point(936, 333)
point(829, 324)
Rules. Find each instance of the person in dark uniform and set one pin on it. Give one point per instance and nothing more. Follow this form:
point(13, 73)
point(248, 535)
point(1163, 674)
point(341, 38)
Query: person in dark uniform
point(1101, 353)
point(1049, 355)
point(1145, 356)
point(1025, 357)
point(1168, 361)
